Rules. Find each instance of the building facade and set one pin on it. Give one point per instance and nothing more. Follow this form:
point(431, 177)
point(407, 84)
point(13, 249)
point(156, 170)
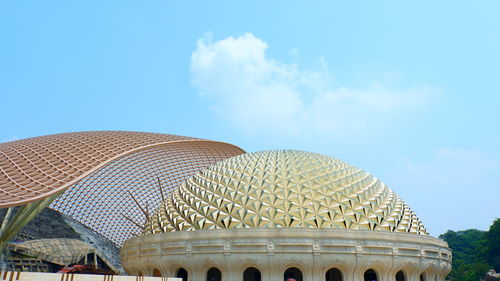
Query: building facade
point(275, 215)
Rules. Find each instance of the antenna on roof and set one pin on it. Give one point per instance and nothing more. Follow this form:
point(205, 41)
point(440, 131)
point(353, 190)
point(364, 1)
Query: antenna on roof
point(161, 189)
point(139, 205)
point(132, 221)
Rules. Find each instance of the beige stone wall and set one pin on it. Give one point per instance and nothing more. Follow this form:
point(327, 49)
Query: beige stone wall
point(40, 276)
point(272, 251)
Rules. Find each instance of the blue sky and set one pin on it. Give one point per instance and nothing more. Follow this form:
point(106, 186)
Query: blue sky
point(406, 91)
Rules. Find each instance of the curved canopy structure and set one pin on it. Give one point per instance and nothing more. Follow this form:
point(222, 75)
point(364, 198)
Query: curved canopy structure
point(109, 180)
point(61, 251)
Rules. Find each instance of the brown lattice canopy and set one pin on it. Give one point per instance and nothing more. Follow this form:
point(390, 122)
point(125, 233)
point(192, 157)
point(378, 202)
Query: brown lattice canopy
point(99, 171)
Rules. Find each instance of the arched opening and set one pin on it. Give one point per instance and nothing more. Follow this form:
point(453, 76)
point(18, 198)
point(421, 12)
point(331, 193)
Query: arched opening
point(139, 273)
point(423, 277)
point(370, 275)
point(182, 273)
point(400, 276)
point(156, 273)
point(293, 273)
point(333, 274)
point(214, 274)
point(251, 274)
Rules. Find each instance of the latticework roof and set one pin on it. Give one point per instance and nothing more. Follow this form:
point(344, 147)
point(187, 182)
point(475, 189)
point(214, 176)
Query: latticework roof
point(284, 189)
point(34, 168)
point(100, 171)
point(62, 251)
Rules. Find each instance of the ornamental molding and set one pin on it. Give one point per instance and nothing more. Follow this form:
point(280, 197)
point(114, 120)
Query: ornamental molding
point(273, 255)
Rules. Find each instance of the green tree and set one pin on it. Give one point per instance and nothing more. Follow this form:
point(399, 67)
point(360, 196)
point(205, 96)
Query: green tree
point(470, 252)
point(474, 252)
point(493, 237)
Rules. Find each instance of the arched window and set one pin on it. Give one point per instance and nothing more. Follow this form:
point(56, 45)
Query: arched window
point(156, 273)
point(400, 276)
point(251, 274)
point(370, 275)
point(293, 273)
point(214, 274)
point(182, 273)
point(423, 277)
point(333, 275)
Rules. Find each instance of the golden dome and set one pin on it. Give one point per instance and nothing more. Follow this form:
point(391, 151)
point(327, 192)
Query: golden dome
point(284, 189)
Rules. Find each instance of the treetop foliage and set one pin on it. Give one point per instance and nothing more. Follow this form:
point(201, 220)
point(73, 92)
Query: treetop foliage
point(474, 252)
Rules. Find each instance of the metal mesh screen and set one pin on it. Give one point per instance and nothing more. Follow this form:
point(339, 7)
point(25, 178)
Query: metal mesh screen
point(101, 200)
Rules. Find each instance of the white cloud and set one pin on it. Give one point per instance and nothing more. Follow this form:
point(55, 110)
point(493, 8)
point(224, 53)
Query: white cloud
point(455, 189)
point(456, 167)
point(293, 52)
point(259, 94)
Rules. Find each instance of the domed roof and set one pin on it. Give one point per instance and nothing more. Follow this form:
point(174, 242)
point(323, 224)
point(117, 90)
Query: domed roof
point(284, 189)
